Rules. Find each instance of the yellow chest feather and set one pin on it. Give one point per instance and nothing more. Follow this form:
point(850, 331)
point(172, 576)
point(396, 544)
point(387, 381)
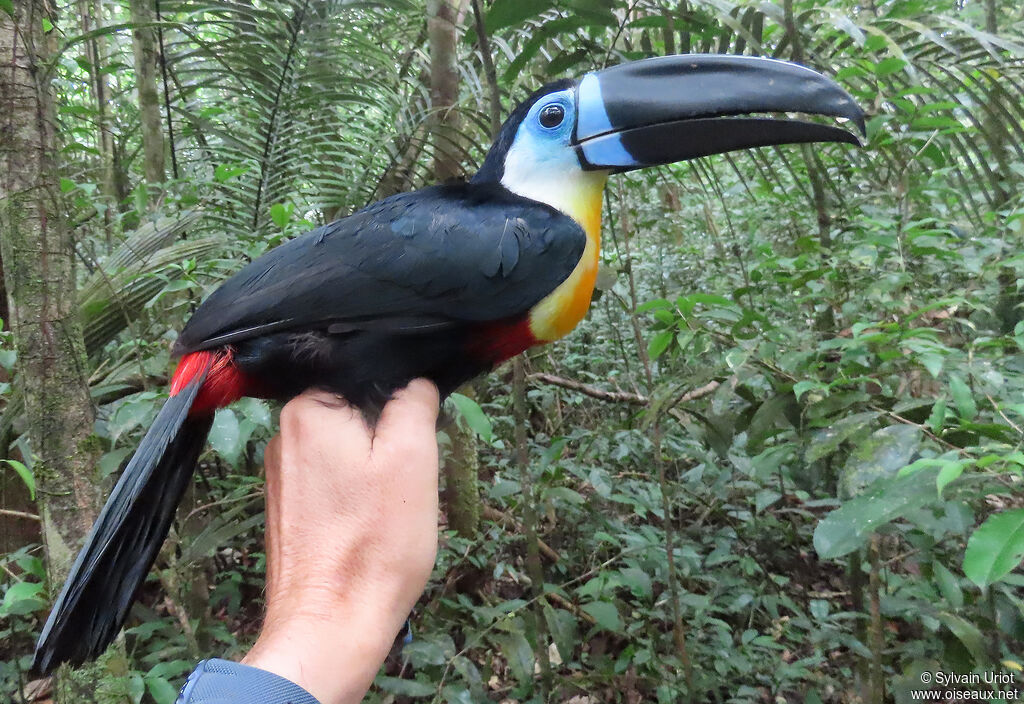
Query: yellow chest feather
point(562, 309)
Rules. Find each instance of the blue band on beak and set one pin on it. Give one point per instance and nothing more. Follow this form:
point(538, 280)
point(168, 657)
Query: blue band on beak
point(592, 115)
point(608, 151)
point(592, 119)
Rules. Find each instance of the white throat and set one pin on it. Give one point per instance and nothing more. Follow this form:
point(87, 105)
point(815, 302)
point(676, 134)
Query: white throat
point(555, 178)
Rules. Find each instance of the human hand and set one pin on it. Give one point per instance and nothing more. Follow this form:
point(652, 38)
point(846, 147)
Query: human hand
point(351, 537)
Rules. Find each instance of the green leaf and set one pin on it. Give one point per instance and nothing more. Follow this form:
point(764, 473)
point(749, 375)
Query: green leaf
point(848, 527)
point(662, 304)
point(225, 435)
point(968, 634)
point(281, 213)
point(405, 688)
point(879, 456)
point(255, 410)
point(888, 66)
point(111, 461)
point(962, 397)
point(162, 691)
point(474, 416)
point(605, 614)
point(26, 476)
point(140, 197)
point(519, 655)
point(764, 499)
point(427, 651)
point(637, 580)
point(136, 687)
point(32, 565)
point(995, 548)
point(938, 416)
point(226, 172)
point(827, 440)
point(564, 61)
point(948, 585)
point(659, 343)
point(932, 362)
point(506, 13)
point(220, 532)
point(47, 25)
point(802, 387)
point(22, 598)
point(563, 627)
point(565, 494)
point(767, 418)
point(950, 471)
point(170, 669)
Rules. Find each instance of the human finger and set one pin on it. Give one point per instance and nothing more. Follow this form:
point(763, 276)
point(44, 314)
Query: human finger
point(414, 407)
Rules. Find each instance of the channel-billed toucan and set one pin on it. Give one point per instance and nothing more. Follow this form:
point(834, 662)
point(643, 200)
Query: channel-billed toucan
point(442, 283)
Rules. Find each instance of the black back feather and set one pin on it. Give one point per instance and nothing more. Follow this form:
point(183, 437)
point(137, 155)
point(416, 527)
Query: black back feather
point(461, 253)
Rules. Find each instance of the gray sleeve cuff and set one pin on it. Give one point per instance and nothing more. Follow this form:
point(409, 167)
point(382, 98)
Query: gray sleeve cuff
point(217, 681)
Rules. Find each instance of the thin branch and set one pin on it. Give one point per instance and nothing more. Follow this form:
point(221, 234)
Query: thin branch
point(492, 77)
point(589, 390)
point(620, 396)
point(496, 515)
point(923, 428)
point(999, 410)
point(700, 392)
point(19, 514)
point(167, 92)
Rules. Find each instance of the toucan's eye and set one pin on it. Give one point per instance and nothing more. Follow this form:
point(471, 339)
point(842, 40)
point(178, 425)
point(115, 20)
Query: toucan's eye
point(552, 115)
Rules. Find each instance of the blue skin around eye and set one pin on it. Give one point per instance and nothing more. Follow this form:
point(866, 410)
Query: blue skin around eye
point(547, 147)
point(561, 132)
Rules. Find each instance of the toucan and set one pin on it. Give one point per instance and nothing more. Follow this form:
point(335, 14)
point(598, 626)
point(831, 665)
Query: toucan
point(444, 283)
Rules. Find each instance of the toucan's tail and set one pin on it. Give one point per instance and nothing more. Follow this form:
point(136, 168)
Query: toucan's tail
point(125, 540)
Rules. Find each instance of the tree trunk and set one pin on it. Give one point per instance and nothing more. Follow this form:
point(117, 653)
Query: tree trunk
point(461, 469)
point(144, 49)
point(38, 261)
point(91, 17)
point(462, 497)
point(444, 87)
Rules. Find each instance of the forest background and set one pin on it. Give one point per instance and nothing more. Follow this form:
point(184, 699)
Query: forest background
point(779, 462)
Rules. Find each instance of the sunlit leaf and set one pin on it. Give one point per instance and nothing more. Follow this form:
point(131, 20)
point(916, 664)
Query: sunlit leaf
point(962, 397)
point(505, 13)
point(848, 527)
point(605, 614)
point(25, 474)
point(474, 416)
point(995, 548)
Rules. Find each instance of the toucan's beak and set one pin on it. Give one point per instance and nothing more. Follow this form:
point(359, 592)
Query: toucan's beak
point(672, 108)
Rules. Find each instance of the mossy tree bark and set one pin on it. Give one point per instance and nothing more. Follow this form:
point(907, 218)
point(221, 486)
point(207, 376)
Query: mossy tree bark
point(144, 50)
point(38, 263)
point(442, 30)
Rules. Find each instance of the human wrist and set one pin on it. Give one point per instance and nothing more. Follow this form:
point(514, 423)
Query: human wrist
point(332, 650)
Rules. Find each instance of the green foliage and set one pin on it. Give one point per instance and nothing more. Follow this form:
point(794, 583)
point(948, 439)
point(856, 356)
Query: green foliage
point(22, 604)
point(995, 548)
point(473, 416)
point(25, 474)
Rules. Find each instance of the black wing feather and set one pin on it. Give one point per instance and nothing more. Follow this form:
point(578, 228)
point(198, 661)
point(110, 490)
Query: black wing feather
point(467, 252)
